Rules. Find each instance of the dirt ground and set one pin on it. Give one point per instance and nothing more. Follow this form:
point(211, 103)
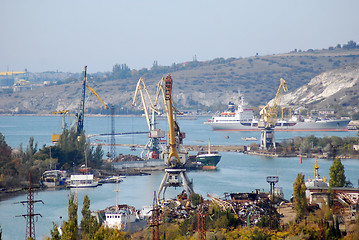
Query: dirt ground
point(288, 211)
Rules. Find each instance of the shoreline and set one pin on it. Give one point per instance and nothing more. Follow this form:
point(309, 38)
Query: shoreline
point(86, 114)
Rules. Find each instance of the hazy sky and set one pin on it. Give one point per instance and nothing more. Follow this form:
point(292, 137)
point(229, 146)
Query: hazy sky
point(65, 35)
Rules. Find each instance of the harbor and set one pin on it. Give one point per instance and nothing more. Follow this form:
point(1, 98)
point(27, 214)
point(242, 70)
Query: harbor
point(168, 157)
point(236, 172)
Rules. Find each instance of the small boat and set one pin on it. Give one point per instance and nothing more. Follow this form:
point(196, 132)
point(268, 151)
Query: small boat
point(209, 159)
point(111, 179)
point(249, 138)
point(53, 178)
point(82, 181)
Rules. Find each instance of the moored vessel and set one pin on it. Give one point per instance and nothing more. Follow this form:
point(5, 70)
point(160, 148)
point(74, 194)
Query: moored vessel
point(249, 138)
point(242, 119)
point(53, 178)
point(122, 216)
point(82, 181)
point(209, 159)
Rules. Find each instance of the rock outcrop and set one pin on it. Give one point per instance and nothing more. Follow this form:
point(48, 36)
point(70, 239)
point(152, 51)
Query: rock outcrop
point(336, 87)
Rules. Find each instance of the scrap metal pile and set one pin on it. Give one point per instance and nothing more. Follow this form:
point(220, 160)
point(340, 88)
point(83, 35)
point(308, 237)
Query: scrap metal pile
point(249, 208)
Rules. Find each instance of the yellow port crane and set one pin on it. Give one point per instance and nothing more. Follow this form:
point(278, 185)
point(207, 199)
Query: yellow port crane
point(270, 111)
point(55, 138)
point(173, 158)
point(269, 114)
point(98, 97)
point(139, 88)
point(153, 149)
point(175, 174)
point(78, 122)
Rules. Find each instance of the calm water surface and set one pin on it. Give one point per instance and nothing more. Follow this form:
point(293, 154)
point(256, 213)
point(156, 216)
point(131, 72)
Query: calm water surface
point(236, 172)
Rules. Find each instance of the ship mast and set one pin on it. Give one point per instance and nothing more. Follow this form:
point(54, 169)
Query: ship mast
point(209, 146)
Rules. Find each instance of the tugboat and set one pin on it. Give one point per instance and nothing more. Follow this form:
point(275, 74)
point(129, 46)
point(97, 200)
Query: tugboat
point(209, 159)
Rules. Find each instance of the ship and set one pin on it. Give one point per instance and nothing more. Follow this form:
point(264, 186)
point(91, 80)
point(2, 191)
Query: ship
point(242, 119)
point(82, 181)
point(208, 160)
point(123, 217)
point(53, 178)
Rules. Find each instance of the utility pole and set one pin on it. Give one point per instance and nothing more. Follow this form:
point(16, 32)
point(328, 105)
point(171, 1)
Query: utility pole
point(201, 221)
point(155, 221)
point(29, 216)
point(113, 140)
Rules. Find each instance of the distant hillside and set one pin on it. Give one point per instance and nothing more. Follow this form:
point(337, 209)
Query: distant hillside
point(333, 89)
point(199, 85)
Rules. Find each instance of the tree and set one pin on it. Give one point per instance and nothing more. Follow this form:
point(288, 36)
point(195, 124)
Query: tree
point(55, 234)
point(5, 151)
point(71, 148)
point(69, 228)
point(31, 149)
point(96, 157)
point(300, 201)
point(337, 174)
point(350, 45)
point(89, 225)
point(121, 71)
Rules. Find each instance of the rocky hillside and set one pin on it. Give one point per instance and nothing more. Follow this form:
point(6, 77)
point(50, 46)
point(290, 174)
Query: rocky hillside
point(329, 90)
point(211, 85)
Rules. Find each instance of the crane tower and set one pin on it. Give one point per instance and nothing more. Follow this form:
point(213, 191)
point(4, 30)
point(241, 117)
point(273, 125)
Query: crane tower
point(175, 173)
point(153, 148)
point(269, 113)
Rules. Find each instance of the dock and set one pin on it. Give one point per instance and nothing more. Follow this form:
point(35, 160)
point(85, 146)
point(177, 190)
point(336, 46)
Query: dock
point(196, 148)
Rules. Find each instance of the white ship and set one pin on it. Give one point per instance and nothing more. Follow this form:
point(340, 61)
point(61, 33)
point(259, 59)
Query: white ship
point(123, 217)
point(242, 119)
point(82, 181)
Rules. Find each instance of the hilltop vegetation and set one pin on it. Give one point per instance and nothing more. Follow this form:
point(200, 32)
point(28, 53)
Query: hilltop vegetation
point(198, 85)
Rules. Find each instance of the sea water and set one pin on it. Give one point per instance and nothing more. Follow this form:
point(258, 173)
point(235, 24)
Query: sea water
point(236, 172)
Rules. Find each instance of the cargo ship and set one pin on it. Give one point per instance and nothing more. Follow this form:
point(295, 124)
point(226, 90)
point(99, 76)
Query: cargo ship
point(242, 119)
point(208, 160)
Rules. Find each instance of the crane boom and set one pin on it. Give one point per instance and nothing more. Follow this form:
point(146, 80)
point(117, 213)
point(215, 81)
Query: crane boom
point(161, 89)
point(175, 175)
point(269, 112)
point(139, 88)
point(168, 97)
point(98, 97)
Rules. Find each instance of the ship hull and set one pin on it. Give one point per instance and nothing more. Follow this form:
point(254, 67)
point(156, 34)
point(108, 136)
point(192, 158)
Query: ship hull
point(209, 161)
point(322, 125)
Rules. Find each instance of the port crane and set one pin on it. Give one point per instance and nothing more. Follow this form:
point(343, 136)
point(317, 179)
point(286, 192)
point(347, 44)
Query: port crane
point(153, 148)
point(78, 123)
point(179, 135)
point(269, 114)
point(175, 173)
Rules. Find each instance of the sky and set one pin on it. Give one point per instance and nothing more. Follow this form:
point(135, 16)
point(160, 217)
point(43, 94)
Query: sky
point(65, 35)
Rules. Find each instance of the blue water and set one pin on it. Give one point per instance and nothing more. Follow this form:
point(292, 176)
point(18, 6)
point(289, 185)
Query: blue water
point(236, 172)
